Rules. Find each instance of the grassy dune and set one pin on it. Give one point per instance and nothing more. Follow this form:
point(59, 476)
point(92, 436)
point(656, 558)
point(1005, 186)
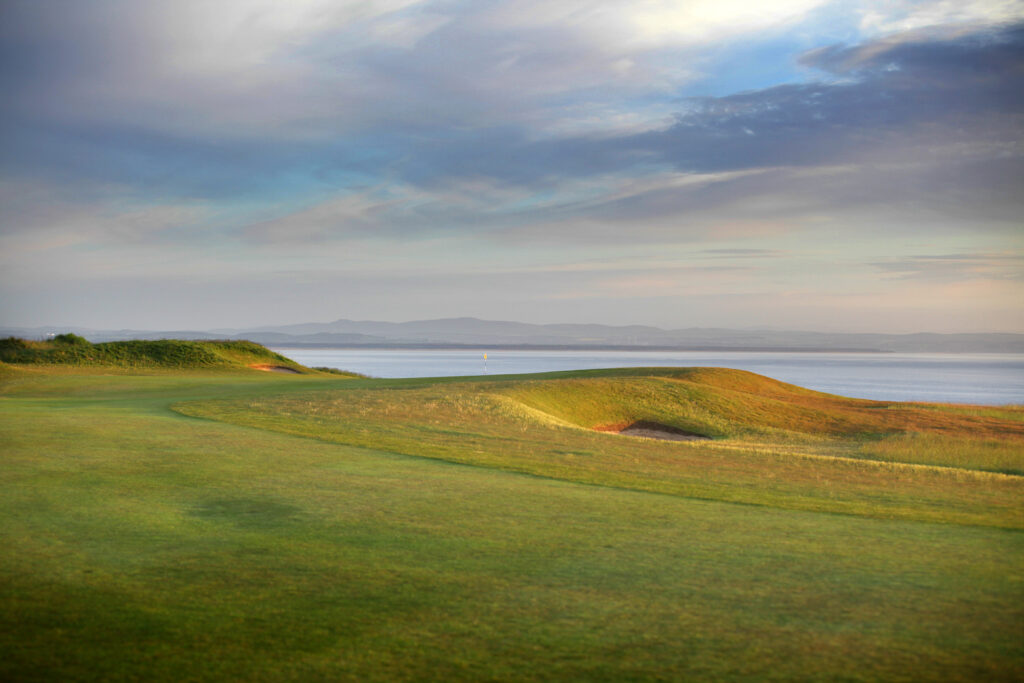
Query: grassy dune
point(70, 350)
point(775, 444)
point(237, 525)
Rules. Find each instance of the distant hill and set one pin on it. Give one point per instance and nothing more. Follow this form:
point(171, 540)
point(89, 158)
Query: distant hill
point(493, 333)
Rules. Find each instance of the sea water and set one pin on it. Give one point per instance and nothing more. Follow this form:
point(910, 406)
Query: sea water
point(992, 379)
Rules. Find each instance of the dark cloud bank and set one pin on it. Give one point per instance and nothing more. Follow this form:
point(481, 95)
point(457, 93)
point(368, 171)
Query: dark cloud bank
point(921, 130)
point(903, 98)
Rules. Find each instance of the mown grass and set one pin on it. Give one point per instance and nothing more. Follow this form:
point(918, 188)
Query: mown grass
point(144, 544)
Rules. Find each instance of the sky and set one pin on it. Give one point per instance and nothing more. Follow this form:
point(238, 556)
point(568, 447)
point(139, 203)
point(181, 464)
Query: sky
point(853, 165)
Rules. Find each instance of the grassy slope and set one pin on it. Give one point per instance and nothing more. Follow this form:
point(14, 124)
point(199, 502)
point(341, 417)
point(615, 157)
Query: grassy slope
point(780, 445)
point(141, 543)
point(74, 351)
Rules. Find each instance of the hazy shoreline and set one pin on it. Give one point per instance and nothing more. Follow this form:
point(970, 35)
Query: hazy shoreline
point(473, 333)
point(574, 347)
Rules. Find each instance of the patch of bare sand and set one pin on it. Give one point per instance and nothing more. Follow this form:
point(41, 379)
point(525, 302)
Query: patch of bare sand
point(275, 368)
point(652, 430)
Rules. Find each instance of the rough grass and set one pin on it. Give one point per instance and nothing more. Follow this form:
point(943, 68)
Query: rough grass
point(988, 454)
point(776, 445)
point(143, 544)
point(176, 354)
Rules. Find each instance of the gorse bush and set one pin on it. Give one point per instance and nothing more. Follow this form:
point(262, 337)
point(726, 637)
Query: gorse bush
point(12, 345)
point(70, 339)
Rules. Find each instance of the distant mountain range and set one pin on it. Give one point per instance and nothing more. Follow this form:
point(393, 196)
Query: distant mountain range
point(457, 332)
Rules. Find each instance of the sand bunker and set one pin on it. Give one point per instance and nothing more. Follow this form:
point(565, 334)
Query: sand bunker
point(652, 430)
point(275, 368)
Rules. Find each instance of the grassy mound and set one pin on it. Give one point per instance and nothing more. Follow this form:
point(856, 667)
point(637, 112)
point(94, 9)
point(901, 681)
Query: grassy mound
point(773, 444)
point(70, 349)
point(722, 402)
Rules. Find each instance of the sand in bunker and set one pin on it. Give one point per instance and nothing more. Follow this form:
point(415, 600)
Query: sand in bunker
point(274, 368)
point(652, 430)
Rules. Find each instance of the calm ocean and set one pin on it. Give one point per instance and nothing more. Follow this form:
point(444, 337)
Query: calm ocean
point(992, 379)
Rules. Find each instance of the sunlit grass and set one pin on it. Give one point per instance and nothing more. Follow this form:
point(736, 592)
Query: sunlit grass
point(768, 450)
point(71, 351)
point(989, 454)
point(453, 531)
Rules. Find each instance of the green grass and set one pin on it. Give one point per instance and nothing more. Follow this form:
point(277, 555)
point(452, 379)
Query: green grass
point(989, 454)
point(777, 445)
point(325, 528)
point(72, 350)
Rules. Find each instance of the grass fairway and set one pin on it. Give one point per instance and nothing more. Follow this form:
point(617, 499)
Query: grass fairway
point(238, 525)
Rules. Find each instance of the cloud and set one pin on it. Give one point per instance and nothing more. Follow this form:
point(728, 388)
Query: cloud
point(545, 144)
point(354, 215)
point(871, 201)
point(41, 217)
point(240, 99)
point(909, 129)
point(316, 70)
point(742, 253)
point(913, 94)
point(916, 132)
point(927, 99)
point(951, 268)
point(889, 16)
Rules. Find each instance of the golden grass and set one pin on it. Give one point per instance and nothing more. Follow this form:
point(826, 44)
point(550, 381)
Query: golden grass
point(972, 452)
point(775, 445)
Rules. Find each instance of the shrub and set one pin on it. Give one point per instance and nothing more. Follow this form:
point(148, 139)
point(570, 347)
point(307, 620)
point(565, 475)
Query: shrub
point(69, 339)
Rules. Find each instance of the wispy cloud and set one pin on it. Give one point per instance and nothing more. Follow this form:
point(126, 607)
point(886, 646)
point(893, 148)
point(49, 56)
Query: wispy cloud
point(956, 267)
point(743, 253)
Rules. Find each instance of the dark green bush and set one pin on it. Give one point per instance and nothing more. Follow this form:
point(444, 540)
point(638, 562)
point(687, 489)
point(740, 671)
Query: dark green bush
point(69, 339)
point(13, 344)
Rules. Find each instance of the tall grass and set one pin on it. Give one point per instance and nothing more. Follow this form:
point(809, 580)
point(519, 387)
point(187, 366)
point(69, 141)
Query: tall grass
point(968, 452)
